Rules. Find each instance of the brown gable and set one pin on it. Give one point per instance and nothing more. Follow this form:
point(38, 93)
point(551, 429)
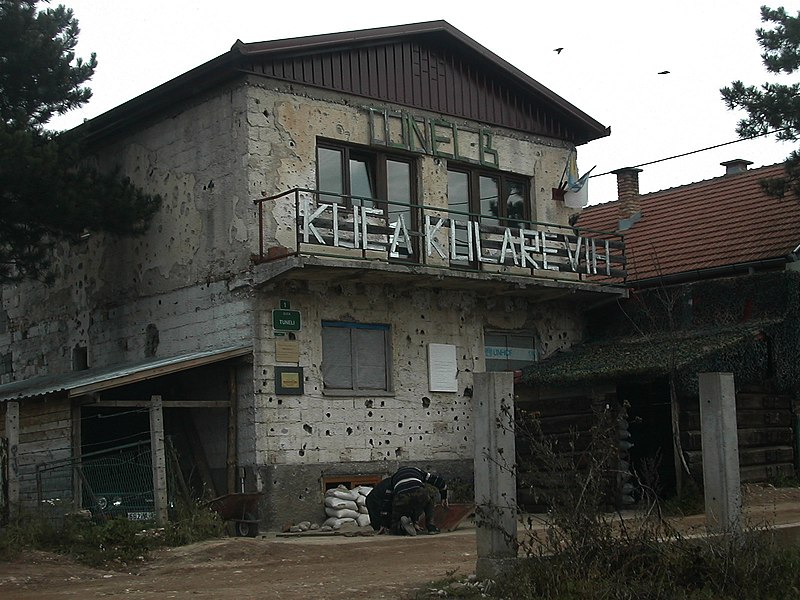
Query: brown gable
point(724, 222)
point(430, 66)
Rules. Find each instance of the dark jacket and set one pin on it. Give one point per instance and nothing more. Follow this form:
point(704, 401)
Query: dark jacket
point(376, 505)
point(406, 479)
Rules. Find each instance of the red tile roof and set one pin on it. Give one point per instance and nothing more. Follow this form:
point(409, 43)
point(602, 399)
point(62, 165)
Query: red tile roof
point(715, 223)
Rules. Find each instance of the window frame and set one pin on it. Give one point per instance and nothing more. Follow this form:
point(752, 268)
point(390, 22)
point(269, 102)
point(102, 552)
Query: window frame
point(356, 389)
point(505, 181)
point(524, 333)
point(379, 172)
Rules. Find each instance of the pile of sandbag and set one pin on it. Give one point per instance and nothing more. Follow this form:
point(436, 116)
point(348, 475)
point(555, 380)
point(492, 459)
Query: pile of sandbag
point(346, 506)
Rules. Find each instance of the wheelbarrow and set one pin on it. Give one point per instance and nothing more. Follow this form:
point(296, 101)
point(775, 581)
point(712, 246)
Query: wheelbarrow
point(241, 509)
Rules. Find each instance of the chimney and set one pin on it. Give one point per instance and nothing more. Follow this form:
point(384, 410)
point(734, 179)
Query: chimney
point(738, 165)
point(628, 191)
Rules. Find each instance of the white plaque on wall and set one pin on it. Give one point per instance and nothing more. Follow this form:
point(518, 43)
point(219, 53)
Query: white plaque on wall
point(442, 368)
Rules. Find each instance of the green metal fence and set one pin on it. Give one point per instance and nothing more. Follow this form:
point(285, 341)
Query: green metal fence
point(117, 482)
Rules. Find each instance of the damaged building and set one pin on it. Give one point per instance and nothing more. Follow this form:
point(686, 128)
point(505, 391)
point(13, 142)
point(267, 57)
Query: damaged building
point(352, 225)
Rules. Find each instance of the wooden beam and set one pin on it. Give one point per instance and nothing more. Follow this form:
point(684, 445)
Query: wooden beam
point(232, 430)
point(164, 404)
point(12, 435)
point(158, 455)
point(116, 380)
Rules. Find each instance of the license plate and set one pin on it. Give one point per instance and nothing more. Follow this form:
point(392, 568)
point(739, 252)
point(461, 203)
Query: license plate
point(142, 516)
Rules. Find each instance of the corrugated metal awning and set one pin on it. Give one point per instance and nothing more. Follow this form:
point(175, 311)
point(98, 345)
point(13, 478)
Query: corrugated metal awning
point(99, 379)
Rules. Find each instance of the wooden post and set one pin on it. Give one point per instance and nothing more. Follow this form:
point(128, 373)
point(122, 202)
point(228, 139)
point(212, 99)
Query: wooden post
point(495, 473)
point(232, 430)
point(159, 460)
point(12, 434)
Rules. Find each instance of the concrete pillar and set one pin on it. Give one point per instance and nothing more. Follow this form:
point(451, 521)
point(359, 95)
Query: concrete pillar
point(158, 456)
point(721, 482)
point(495, 473)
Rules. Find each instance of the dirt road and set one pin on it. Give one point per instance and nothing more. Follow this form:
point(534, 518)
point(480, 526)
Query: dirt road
point(329, 568)
point(301, 568)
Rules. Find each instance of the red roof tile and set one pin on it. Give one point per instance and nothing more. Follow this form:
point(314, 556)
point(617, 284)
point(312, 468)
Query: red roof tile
point(715, 223)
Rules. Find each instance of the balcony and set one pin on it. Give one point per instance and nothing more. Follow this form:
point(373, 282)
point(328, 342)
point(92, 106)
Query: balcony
point(338, 238)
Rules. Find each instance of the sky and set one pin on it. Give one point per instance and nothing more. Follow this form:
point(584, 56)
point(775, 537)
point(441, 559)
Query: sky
point(613, 52)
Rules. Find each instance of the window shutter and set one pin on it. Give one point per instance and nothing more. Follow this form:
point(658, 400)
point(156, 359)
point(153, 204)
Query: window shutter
point(370, 347)
point(337, 358)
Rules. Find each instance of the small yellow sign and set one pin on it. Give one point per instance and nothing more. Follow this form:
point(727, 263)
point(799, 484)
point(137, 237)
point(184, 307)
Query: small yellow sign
point(290, 381)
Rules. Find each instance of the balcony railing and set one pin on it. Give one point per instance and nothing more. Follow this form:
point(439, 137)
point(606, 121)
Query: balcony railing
point(328, 224)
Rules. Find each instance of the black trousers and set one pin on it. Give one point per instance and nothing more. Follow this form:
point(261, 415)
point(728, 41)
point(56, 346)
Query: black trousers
point(413, 504)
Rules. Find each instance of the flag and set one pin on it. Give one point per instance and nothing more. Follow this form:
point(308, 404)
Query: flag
point(576, 191)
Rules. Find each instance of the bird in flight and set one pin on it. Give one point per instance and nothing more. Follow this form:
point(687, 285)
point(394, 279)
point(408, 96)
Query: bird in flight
point(557, 50)
point(663, 72)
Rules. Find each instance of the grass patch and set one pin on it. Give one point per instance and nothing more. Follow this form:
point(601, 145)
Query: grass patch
point(586, 551)
point(113, 544)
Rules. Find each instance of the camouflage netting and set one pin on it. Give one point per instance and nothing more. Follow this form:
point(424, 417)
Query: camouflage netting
point(749, 326)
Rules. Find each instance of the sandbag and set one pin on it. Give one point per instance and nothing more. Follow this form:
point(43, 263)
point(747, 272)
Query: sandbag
point(363, 520)
point(341, 513)
point(336, 523)
point(342, 493)
point(334, 502)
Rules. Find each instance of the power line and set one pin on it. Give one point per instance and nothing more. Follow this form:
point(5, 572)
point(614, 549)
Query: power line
point(652, 162)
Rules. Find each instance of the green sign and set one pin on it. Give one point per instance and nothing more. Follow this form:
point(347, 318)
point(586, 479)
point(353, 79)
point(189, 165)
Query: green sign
point(286, 320)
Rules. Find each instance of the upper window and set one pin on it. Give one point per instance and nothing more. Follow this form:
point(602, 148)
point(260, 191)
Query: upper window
point(356, 357)
point(491, 198)
point(353, 176)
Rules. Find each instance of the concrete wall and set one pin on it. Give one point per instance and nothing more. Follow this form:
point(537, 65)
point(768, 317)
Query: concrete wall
point(175, 289)
point(305, 438)
point(286, 121)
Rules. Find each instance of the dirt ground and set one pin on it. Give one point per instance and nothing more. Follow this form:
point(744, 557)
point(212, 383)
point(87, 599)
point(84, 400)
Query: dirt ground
point(299, 568)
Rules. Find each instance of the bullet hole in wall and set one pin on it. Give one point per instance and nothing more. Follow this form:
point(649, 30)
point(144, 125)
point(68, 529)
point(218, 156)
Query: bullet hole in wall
point(369, 414)
point(426, 402)
point(349, 431)
point(328, 432)
point(398, 452)
point(468, 392)
point(368, 403)
point(308, 428)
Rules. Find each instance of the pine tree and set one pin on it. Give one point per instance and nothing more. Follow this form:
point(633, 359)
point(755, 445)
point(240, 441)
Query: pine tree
point(773, 107)
point(48, 192)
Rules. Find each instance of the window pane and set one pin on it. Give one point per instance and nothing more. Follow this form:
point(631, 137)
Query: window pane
point(398, 189)
point(362, 180)
point(515, 202)
point(507, 352)
point(458, 199)
point(370, 349)
point(330, 174)
point(337, 368)
point(490, 195)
